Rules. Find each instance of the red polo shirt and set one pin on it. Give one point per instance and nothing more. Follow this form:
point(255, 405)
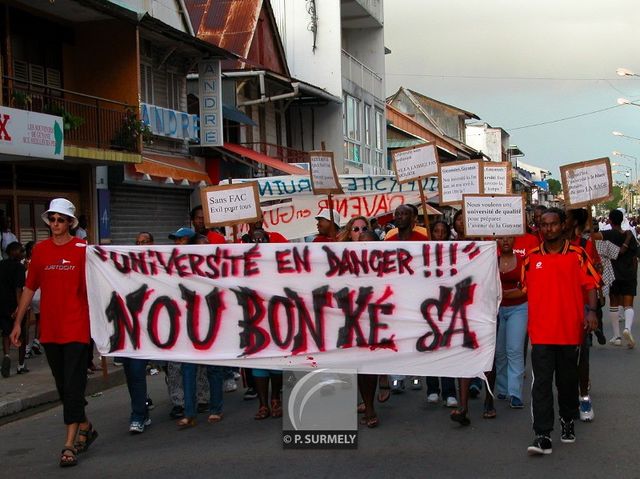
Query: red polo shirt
point(554, 284)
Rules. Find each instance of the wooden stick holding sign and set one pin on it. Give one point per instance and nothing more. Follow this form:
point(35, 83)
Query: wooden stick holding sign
point(587, 183)
point(415, 164)
point(229, 205)
point(493, 215)
point(324, 179)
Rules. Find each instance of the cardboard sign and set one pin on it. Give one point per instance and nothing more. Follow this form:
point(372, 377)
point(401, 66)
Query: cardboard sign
point(415, 162)
point(493, 215)
point(459, 178)
point(226, 205)
point(496, 178)
point(410, 307)
point(587, 183)
point(324, 177)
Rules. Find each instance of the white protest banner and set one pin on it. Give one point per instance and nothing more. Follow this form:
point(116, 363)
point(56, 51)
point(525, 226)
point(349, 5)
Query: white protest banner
point(284, 187)
point(324, 177)
point(587, 183)
point(26, 133)
point(418, 308)
point(230, 204)
point(296, 219)
point(415, 162)
point(496, 178)
point(493, 215)
point(459, 178)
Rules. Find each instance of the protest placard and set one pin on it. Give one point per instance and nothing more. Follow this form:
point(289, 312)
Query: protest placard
point(419, 308)
point(587, 182)
point(415, 162)
point(459, 178)
point(226, 205)
point(493, 215)
point(496, 178)
point(324, 177)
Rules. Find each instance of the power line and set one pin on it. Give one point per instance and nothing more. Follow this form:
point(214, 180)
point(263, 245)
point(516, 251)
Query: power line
point(563, 119)
point(481, 77)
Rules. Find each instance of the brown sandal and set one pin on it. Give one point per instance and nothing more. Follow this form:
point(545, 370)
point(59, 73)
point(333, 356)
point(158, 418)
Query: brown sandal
point(68, 460)
point(263, 413)
point(89, 435)
point(213, 418)
point(276, 408)
point(186, 422)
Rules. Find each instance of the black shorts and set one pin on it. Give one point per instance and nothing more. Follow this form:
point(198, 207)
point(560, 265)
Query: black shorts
point(623, 288)
point(6, 325)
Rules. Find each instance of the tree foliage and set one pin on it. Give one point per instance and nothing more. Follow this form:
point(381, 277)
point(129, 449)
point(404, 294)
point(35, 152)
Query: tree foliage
point(616, 201)
point(555, 187)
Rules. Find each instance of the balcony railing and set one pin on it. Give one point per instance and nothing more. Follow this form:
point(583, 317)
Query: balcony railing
point(89, 121)
point(287, 155)
point(363, 76)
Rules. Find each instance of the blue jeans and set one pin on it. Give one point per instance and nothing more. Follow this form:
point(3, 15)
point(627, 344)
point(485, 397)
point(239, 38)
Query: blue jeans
point(512, 329)
point(216, 375)
point(135, 371)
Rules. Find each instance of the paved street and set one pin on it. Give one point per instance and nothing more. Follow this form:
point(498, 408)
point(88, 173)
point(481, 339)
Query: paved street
point(413, 440)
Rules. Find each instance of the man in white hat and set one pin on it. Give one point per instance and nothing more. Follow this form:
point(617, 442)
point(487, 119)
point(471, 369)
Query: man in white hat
point(57, 268)
point(327, 230)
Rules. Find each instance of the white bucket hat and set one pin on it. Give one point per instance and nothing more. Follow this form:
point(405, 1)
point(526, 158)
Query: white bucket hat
point(64, 207)
point(326, 215)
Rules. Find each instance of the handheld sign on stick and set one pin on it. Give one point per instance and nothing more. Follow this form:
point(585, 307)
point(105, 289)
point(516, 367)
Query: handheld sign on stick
point(229, 205)
point(587, 183)
point(415, 164)
point(487, 216)
point(324, 179)
point(458, 178)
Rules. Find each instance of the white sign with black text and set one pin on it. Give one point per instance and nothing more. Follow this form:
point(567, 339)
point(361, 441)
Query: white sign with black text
point(415, 162)
point(493, 215)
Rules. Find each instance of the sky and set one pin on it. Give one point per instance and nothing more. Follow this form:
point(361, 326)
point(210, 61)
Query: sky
point(516, 63)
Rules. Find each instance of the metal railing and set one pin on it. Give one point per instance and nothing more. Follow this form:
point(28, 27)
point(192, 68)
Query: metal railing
point(363, 76)
point(89, 121)
point(283, 153)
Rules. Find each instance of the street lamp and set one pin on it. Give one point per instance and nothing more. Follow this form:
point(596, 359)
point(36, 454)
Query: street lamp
point(634, 158)
point(625, 72)
point(622, 135)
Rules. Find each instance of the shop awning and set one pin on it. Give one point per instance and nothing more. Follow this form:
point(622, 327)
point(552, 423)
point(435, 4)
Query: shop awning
point(236, 115)
point(176, 167)
point(268, 161)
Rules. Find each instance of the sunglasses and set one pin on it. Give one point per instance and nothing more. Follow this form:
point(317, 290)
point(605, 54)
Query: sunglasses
point(358, 228)
point(57, 219)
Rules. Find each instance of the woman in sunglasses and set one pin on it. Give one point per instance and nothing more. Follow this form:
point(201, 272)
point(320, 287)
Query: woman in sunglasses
point(352, 230)
point(57, 268)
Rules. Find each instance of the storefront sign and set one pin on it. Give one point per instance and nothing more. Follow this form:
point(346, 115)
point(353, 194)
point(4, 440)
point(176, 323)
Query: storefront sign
point(26, 133)
point(415, 162)
point(493, 215)
point(210, 86)
point(417, 308)
point(459, 178)
point(169, 123)
point(230, 204)
point(587, 183)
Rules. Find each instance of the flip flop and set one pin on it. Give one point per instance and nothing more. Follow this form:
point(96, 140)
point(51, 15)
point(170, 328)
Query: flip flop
point(489, 413)
point(213, 418)
point(384, 394)
point(361, 408)
point(460, 416)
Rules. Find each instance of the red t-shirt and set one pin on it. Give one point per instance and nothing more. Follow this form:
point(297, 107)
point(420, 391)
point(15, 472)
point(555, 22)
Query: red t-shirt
point(275, 237)
point(322, 239)
point(554, 284)
point(59, 272)
point(215, 238)
point(524, 243)
point(417, 234)
point(511, 280)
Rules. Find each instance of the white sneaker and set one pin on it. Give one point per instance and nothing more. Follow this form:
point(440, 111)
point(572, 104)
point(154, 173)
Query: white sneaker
point(631, 343)
point(452, 402)
point(433, 398)
point(230, 386)
point(586, 409)
point(616, 341)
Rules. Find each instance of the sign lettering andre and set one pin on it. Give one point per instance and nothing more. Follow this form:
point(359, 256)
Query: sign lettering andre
point(169, 123)
point(210, 88)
